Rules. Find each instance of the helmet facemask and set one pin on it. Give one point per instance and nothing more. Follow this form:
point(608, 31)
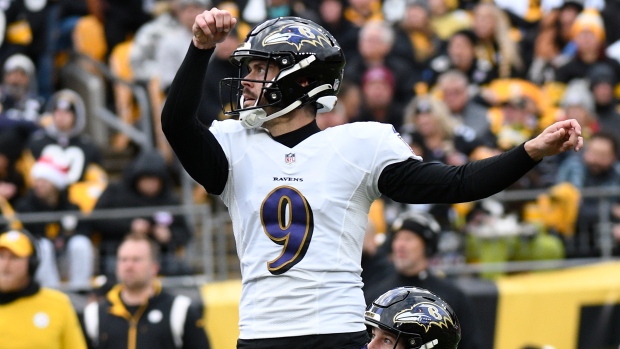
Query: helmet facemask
point(310, 71)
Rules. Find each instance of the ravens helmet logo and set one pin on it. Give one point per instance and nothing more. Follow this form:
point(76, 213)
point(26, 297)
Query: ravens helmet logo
point(425, 315)
point(297, 35)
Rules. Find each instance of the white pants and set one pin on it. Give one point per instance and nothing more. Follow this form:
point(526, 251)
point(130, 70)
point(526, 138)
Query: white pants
point(79, 267)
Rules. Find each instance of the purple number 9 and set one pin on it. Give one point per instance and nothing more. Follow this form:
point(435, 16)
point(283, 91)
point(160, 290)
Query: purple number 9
point(287, 220)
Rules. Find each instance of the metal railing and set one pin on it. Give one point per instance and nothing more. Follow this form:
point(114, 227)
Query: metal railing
point(88, 77)
point(212, 246)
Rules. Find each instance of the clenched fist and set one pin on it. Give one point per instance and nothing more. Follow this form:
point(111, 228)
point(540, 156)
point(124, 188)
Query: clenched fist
point(212, 27)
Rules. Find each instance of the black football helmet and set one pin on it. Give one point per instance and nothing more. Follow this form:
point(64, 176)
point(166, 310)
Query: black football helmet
point(418, 318)
point(304, 51)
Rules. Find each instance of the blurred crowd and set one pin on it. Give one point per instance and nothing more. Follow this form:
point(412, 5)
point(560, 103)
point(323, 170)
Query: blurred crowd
point(460, 80)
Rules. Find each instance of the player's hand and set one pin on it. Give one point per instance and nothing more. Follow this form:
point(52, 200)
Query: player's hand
point(212, 27)
point(559, 137)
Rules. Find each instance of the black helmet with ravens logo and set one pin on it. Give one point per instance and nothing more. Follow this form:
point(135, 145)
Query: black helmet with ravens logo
point(310, 62)
point(418, 318)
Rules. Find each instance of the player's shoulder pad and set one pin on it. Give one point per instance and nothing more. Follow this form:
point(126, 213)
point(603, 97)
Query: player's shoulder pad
point(363, 130)
point(227, 126)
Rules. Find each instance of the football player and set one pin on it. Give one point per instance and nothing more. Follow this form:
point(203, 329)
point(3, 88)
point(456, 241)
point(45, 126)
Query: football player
point(299, 196)
point(412, 318)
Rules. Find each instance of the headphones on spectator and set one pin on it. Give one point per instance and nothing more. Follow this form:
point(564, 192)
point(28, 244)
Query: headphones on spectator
point(35, 259)
point(423, 224)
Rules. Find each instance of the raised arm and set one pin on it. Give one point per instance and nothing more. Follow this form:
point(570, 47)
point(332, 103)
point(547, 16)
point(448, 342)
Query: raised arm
point(195, 146)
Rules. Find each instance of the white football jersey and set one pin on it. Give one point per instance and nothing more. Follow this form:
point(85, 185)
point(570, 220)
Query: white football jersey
point(299, 216)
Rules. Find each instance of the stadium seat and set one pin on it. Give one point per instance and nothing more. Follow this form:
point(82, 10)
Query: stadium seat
point(125, 105)
point(89, 38)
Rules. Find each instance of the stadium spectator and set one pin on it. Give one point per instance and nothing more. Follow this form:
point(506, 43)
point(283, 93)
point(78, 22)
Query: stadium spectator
point(64, 235)
point(435, 135)
point(597, 167)
point(137, 311)
point(64, 130)
point(378, 88)
point(414, 238)
point(578, 103)
point(602, 84)
point(415, 40)
point(375, 42)
point(553, 45)
point(63, 125)
point(461, 55)
point(148, 37)
point(18, 94)
point(517, 106)
point(453, 87)
point(145, 183)
point(284, 179)
point(494, 44)
point(169, 50)
point(32, 316)
point(588, 33)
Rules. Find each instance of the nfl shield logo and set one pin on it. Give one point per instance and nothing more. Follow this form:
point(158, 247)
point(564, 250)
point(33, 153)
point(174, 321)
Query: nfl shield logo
point(289, 158)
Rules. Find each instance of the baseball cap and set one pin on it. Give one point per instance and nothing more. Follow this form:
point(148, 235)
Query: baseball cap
point(16, 242)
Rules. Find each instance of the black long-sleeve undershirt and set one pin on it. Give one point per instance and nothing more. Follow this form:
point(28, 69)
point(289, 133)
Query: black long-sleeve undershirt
point(195, 146)
point(410, 181)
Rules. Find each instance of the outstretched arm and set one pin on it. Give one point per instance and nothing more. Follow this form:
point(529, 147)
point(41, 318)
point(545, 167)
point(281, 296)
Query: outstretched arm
point(414, 181)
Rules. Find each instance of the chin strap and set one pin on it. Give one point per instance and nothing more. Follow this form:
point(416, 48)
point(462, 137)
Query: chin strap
point(254, 118)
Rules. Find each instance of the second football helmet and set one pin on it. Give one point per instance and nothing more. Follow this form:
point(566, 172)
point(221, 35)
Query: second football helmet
point(311, 67)
point(418, 318)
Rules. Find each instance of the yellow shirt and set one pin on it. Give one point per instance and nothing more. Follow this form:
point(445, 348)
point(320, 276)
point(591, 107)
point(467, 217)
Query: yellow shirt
point(45, 320)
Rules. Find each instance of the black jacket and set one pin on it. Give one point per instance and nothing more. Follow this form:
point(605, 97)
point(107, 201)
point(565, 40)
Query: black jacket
point(50, 228)
point(124, 194)
point(110, 324)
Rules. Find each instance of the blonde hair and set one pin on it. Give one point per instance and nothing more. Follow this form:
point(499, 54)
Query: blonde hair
point(437, 108)
point(508, 49)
